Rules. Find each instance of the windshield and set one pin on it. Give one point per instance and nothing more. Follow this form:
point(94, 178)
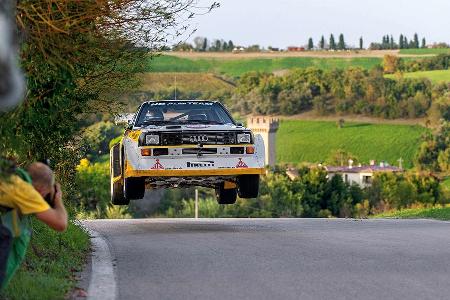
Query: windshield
point(180, 112)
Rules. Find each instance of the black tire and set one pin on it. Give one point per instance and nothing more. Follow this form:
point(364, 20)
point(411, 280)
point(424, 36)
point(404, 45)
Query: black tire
point(117, 196)
point(226, 196)
point(248, 186)
point(134, 188)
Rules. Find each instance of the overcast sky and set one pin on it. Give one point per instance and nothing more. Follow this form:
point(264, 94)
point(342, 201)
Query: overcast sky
point(281, 23)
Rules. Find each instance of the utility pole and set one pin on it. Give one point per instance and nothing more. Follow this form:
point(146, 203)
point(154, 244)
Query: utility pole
point(196, 203)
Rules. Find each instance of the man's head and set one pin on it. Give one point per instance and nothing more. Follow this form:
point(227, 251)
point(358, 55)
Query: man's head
point(42, 176)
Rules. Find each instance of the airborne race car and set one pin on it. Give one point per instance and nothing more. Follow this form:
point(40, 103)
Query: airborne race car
point(171, 144)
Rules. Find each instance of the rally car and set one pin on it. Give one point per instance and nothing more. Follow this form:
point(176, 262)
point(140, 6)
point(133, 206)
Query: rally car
point(174, 143)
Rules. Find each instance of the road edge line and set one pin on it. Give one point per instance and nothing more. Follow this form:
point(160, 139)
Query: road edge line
point(102, 284)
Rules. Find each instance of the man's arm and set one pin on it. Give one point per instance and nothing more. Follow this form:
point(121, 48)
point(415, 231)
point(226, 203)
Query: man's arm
point(56, 217)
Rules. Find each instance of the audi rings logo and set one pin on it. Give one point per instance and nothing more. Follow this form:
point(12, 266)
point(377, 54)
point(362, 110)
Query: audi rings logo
point(198, 138)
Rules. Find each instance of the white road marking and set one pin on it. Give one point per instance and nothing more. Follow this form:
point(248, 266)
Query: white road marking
point(103, 280)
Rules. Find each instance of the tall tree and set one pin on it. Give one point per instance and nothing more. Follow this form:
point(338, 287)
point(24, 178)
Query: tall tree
point(361, 43)
point(341, 43)
point(400, 42)
point(310, 44)
point(322, 42)
point(424, 43)
point(405, 43)
point(230, 45)
point(205, 45)
point(416, 40)
point(332, 42)
point(391, 42)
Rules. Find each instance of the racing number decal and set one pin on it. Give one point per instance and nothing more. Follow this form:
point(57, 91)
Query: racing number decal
point(241, 164)
point(157, 165)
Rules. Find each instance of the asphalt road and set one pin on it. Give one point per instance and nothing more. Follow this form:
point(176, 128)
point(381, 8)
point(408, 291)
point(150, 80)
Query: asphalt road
point(279, 258)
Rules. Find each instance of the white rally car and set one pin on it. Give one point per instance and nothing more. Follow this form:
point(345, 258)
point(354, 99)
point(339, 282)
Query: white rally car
point(174, 143)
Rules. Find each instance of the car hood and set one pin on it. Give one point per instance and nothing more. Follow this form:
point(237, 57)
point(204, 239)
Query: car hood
point(192, 127)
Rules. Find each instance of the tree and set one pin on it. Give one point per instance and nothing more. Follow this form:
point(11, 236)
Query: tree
point(230, 45)
point(400, 41)
point(332, 42)
point(391, 43)
point(322, 42)
point(205, 45)
point(424, 43)
point(198, 43)
point(361, 43)
point(416, 41)
point(390, 64)
point(341, 43)
point(310, 44)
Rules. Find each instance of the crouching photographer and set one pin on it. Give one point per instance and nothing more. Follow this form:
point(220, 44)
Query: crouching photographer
point(22, 194)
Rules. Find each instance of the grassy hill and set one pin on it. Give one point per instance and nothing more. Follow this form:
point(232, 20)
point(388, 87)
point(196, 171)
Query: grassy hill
point(204, 82)
point(236, 67)
point(314, 141)
point(425, 51)
point(435, 76)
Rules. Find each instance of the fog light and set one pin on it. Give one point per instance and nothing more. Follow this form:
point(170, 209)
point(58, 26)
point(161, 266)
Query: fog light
point(146, 152)
point(250, 150)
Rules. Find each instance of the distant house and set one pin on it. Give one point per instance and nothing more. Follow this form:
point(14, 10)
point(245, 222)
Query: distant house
point(295, 49)
point(361, 175)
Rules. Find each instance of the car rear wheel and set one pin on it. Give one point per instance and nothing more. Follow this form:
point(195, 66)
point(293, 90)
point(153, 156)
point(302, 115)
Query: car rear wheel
point(248, 186)
point(226, 196)
point(134, 188)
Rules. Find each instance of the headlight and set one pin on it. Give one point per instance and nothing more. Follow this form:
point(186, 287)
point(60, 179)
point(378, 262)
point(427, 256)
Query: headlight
point(243, 138)
point(152, 139)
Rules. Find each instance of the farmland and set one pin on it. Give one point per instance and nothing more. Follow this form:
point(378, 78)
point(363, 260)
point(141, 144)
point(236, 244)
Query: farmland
point(314, 141)
point(204, 82)
point(426, 51)
point(437, 76)
point(237, 67)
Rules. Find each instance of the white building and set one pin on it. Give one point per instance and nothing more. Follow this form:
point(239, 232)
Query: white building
point(361, 175)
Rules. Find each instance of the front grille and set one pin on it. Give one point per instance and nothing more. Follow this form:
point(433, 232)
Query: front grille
point(195, 138)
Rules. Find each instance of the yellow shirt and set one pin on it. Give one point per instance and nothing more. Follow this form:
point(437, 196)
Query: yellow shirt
point(19, 194)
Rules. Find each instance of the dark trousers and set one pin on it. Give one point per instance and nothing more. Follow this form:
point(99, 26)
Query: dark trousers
point(5, 247)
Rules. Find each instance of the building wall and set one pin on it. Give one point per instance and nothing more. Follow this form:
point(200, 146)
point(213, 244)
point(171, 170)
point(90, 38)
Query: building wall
point(267, 128)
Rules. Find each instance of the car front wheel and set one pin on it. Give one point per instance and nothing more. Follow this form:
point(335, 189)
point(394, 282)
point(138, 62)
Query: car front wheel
point(248, 186)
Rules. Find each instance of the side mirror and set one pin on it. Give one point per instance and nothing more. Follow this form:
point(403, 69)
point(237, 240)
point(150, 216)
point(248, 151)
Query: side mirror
point(239, 124)
point(129, 124)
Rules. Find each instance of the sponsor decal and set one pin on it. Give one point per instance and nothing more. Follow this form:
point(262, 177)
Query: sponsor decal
point(199, 164)
point(241, 164)
point(157, 165)
point(197, 126)
point(198, 138)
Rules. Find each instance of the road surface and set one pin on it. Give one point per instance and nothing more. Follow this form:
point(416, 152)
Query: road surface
point(279, 258)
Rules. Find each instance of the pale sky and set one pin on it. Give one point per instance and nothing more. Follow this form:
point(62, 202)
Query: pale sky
point(281, 23)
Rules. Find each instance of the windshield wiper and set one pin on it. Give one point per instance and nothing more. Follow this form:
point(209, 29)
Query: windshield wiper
point(163, 122)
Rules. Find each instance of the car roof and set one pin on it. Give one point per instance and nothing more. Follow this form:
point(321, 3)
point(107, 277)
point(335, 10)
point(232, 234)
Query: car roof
point(182, 100)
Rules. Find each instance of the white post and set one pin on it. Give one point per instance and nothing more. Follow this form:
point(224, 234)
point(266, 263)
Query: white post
point(196, 203)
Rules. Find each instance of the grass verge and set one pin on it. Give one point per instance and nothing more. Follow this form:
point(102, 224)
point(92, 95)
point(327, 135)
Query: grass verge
point(52, 259)
point(438, 213)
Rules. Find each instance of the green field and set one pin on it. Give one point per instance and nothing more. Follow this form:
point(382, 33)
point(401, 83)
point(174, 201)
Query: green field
point(425, 51)
point(438, 213)
point(204, 82)
point(314, 141)
point(237, 67)
point(434, 76)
